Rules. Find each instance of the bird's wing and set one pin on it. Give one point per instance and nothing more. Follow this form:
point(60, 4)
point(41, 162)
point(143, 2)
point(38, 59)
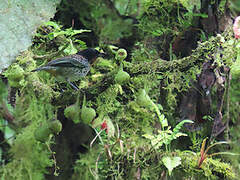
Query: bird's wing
point(68, 62)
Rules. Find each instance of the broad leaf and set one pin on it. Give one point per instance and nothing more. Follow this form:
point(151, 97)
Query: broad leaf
point(171, 163)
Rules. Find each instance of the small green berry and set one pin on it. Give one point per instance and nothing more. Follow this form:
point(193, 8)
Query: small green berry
point(87, 115)
point(55, 126)
point(143, 99)
point(122, 77)
point(121, 54)
point(72, 112)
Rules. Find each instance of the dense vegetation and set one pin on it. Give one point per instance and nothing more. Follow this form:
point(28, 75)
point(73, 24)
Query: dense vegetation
point(162, 104)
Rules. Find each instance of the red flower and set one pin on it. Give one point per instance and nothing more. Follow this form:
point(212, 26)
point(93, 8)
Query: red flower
point(236, 27)
point(104, 126)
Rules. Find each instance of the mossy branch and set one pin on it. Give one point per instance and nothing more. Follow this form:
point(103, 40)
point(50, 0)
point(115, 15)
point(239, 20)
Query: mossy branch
point(201, 54)
point(90, 92)
point(204, 52)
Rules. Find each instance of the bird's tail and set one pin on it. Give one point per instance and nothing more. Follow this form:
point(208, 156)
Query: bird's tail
point(42, 68)
point(38, 69)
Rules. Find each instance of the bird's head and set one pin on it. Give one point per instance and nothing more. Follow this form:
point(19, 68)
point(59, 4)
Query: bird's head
point(91, 54)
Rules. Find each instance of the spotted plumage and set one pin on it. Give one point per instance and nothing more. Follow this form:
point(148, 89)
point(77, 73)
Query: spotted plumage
point(73, 67)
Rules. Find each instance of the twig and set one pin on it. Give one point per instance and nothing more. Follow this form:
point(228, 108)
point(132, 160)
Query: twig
point(93, 173)
point(96, 168)
point(134, 155)
point(118, 130)
point(54, 160)
point(6, 114)
point(228, 104)
point(98, 133)
point(108, 152)
point(51, 55)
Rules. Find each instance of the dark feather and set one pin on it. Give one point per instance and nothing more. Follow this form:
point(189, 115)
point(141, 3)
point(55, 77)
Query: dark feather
point(68, 62)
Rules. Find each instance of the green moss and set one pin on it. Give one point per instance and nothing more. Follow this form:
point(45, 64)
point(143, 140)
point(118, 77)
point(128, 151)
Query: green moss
point(123, 154)
point(30, 158)
point(211, 169)
point(15, 75)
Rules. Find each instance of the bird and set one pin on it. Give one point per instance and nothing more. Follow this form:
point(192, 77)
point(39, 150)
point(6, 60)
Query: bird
point(73, 67)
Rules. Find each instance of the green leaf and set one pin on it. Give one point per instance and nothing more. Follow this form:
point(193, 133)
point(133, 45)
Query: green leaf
point(70, 49)
point(53, 24)
point(74, 32)
point(98, 121)
point(110, 126)
point(224, 153)
point(235, 68)
point(171, 162)
point(179, 125)
point(176, 131)
point(148, 136)
point(156, 141)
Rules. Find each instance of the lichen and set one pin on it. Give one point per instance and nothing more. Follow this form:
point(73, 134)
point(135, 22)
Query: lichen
point(19, 19)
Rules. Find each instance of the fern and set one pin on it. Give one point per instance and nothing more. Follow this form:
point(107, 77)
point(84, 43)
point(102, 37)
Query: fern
point(166, 136)
point(176, 131)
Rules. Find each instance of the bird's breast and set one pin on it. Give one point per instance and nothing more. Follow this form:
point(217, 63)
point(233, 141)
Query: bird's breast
point(52, 71)
point(73, 73)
